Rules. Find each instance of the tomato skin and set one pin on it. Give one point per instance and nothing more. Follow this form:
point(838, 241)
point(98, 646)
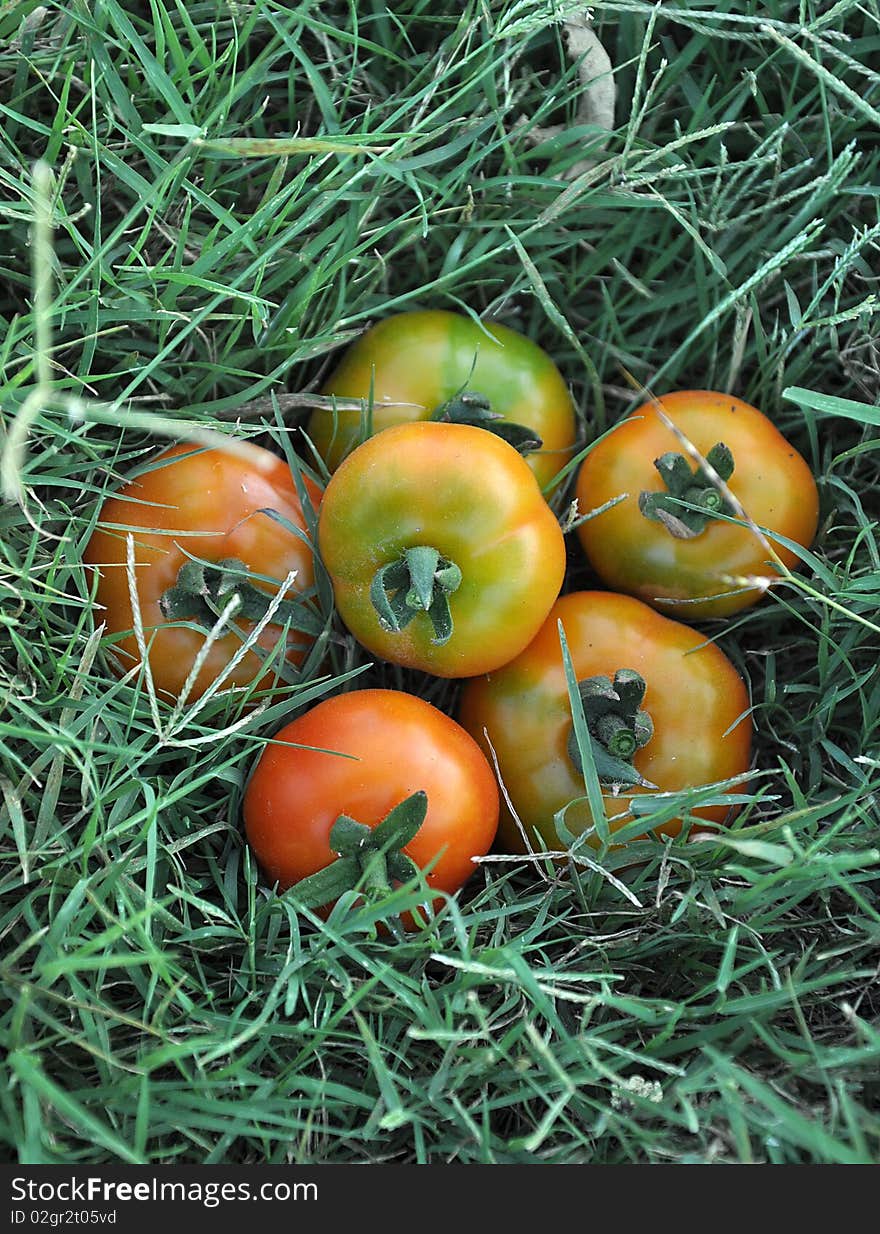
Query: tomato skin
point(468, 494)
point(423, 359)
point(693, 698)
point(633, 554)
point(402, 745)
point(213, 499)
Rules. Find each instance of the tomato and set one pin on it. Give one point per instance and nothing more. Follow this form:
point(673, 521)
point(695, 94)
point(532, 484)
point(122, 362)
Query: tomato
point(442, 552)
point(694, 700)
point(639, 547)
point(212, 505)
point(415, 362)
point(401, 746)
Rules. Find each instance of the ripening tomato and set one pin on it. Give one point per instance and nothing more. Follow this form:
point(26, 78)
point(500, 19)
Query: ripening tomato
point(653, 547)
point(415, 363)
point(663, 707)
point(212, 505)
point(398, 746)
point(442, 552)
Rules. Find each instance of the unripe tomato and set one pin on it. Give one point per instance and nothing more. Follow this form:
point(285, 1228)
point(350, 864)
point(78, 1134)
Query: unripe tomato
point(211, 505)
point(416, 362)
point(691, 726)
point(398, 745)
point(661, 551)
point(443, 554)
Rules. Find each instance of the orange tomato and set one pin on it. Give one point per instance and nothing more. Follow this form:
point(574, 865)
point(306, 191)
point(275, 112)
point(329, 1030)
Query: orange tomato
point(641, 555)
point(694, 697)
point(212, 505)
point(470, 496)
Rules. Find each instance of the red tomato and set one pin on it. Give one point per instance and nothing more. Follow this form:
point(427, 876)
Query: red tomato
point(400, 745)
point(207, 504)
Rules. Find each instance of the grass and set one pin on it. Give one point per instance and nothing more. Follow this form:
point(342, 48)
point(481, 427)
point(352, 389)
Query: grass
point(237, 191)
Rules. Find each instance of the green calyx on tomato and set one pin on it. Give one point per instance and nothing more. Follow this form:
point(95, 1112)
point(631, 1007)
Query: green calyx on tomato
point(203, 592)
point(617, 727)
point(470, 407)
point(421, 581)
point(691, 499)
point(368, 856)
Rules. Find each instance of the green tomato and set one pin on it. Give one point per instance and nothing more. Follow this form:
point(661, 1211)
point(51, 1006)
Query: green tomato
point(414, 363)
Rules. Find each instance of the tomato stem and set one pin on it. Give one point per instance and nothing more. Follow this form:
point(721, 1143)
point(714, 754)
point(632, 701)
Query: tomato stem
point(691, 499)
point(371, 857)
point(469, 407)
point(203, 589)
point(617, 726)
point(420, 581)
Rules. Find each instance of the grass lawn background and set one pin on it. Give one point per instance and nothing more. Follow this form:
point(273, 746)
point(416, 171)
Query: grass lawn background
point(717, 1002)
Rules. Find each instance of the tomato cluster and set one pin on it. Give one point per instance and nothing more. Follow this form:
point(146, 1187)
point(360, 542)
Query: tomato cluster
point(445, 557)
